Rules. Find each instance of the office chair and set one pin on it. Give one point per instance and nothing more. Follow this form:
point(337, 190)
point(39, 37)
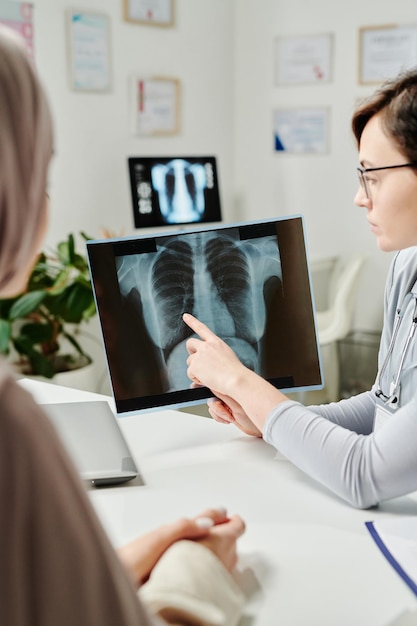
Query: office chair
point(323, 271)
point(335, 323)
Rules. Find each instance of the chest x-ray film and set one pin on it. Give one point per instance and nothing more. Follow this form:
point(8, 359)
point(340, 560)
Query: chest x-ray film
point(248, 282)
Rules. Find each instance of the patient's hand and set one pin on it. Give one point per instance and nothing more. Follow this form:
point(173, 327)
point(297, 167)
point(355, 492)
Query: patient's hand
point(222, 538)
point(141, 555)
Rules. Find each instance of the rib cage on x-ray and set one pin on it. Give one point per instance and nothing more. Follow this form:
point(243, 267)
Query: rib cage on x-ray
point(218, 278)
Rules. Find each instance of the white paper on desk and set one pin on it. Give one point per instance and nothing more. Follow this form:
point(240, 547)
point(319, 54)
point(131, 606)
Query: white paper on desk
point(396, 537)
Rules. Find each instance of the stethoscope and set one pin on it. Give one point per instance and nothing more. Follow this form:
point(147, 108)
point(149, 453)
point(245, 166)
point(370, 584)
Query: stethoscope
point(392, 400)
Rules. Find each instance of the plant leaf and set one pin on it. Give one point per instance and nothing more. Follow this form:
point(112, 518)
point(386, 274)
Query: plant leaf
point(5, 332)
point(71, 303)
point(75, 343)
point(5, 306)
point(71, 248)
point(26, 304)
point(66, 250)
point(41, 366)
point(59, 291)
point(37, 332)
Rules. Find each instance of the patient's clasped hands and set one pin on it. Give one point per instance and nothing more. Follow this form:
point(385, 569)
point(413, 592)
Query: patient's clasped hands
point(212, 528)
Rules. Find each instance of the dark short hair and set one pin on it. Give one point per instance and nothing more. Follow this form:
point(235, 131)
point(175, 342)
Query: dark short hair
point(396, 99)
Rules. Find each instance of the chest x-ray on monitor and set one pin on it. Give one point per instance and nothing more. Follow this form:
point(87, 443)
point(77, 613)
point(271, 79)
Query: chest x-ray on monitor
point(248, 282)
point(174, 190)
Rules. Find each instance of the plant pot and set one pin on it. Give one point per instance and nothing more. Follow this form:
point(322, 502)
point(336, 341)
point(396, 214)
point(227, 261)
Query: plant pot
point(80, 375)
point(81, 378)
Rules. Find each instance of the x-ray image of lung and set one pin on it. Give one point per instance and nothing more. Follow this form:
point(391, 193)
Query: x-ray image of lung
point(180, 186)
point(218, 277)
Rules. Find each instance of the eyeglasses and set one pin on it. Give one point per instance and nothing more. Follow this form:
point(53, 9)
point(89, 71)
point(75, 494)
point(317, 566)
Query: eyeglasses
point(362, 171)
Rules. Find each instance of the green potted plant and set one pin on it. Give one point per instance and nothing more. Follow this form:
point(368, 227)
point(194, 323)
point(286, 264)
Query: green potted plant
point(38, 326)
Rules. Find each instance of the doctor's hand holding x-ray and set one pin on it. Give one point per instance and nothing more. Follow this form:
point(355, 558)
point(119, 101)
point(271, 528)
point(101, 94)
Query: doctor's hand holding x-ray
point(212, 361)
point(364, 449)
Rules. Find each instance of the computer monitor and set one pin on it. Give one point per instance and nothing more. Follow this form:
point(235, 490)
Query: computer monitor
point(174, 190)
point(249, 282)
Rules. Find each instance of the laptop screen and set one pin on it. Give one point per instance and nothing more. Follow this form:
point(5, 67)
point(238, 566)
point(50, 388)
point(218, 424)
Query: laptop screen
point(248, 282)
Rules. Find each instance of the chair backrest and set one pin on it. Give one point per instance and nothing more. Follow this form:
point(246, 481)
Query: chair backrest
point(323, 270)
point(336, 322)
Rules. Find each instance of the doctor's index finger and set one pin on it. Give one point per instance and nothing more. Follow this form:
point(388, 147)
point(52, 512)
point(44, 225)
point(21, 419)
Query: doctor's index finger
point(198, 327)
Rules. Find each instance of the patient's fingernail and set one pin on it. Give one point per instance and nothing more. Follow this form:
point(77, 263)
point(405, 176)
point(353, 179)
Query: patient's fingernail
point(221, 510)
point(204, 522)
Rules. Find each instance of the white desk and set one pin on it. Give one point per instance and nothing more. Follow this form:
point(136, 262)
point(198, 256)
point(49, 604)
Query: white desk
point(306, 557)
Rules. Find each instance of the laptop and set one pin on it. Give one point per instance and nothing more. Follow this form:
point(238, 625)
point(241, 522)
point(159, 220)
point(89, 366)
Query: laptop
point(94, 441)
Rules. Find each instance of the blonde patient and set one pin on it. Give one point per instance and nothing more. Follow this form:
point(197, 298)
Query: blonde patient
point(58, 567)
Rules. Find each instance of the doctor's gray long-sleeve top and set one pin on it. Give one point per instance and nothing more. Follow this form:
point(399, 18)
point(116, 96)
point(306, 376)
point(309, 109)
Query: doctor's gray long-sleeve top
point(336, 443)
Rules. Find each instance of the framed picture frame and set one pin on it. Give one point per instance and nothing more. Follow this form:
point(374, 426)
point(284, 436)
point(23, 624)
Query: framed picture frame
point(384, 51)
point(155, 106)
point(89, 53)
point(150, 12)
point(304, 59)
point(301, 130)
point(19, 17)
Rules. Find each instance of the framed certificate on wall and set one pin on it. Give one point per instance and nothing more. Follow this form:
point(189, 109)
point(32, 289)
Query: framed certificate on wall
point(151, 12)
point(385, 51)
point(19, 17)
point(89, 51)
point(155, 106)
point(301, 130)
point(303, 59)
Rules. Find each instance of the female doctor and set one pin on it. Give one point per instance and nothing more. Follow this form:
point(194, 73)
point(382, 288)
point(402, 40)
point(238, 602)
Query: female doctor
point(364, 448)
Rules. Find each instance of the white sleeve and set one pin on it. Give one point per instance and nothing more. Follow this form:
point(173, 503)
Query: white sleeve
point(362, 469)
point(190, 585)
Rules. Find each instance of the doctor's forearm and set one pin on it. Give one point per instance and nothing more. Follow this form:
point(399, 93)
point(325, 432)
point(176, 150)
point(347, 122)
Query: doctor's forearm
point(255, 395)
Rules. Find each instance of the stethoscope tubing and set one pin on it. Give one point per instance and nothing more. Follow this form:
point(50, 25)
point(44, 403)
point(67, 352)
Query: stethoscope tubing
point(392, 398)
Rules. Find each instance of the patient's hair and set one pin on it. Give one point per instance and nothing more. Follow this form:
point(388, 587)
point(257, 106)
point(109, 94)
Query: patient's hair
point(25, 152)
point(396, 100)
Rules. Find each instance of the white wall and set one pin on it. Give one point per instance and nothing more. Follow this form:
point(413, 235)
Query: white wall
point(89, 179)
point(88, 182)
point(321, 187)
